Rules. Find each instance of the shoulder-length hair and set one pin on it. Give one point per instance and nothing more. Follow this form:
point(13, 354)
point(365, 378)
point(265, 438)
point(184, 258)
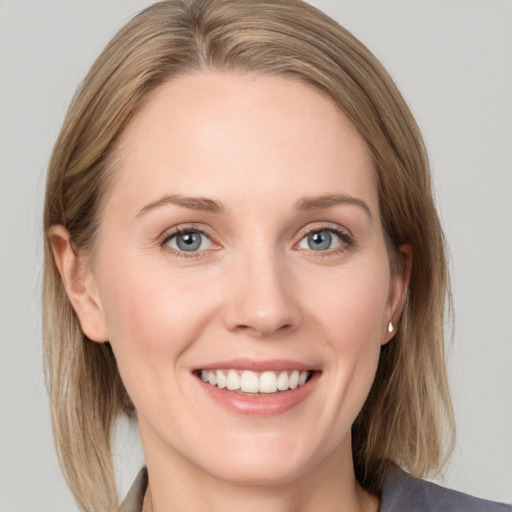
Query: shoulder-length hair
point(407, 417)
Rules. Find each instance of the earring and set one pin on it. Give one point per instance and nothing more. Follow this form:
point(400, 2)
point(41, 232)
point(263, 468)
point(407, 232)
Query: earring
point(390, 327)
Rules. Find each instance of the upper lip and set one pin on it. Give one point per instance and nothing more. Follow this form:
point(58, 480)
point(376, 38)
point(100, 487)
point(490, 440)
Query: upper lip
point(256, 365)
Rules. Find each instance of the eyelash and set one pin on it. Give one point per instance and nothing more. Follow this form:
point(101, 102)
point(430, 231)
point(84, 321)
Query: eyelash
point(166, 237)
point(347, 240)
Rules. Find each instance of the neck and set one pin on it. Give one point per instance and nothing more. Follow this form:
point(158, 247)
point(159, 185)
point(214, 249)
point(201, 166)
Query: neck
point(272, 502)
point(330, 486)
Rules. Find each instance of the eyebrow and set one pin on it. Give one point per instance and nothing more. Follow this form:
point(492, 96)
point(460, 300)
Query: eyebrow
point(212, 206)
point(330, 200)
point(193, 203)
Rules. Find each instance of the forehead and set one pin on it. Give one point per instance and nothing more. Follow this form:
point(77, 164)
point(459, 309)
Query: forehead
point(215, 133)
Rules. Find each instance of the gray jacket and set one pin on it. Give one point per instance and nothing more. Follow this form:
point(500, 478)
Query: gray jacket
point(401, 493)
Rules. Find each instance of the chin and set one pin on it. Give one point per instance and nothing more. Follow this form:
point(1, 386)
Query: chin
point(249, 472)
point(273, 460)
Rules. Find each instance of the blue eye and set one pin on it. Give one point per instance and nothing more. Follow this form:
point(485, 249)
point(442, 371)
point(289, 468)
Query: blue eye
point(189, 241)
point(321, 240)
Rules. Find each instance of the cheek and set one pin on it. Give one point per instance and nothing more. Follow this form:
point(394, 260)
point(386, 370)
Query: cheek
point(354, 303)
point(147, 307)
point(151, 318)
point(351, 314)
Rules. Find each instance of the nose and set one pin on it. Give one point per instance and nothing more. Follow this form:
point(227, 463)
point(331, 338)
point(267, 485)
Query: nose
point(262, 299)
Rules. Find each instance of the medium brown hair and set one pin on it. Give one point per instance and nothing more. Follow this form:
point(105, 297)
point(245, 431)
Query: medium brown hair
point(408, 411)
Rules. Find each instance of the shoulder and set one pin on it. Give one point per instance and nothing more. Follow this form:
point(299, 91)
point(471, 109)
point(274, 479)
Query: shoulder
point(404, 493)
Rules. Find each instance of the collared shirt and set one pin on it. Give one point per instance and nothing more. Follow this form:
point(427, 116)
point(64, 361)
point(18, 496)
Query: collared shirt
point(401, 493)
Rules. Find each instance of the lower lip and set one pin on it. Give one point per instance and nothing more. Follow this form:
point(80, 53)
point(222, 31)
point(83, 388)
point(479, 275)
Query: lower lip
point(262, 404)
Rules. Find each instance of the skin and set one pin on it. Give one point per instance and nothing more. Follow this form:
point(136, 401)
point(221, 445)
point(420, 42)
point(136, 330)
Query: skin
point(256, 289)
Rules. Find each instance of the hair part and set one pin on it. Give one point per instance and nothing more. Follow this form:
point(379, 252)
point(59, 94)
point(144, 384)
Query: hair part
point(408, 415)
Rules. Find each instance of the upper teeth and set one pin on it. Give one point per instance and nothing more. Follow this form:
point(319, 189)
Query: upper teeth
point(252, 382)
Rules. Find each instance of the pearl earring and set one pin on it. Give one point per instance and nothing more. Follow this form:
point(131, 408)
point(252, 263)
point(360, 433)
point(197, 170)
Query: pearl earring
point(390, 327)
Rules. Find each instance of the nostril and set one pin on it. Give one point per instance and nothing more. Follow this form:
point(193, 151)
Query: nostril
point(261, 330)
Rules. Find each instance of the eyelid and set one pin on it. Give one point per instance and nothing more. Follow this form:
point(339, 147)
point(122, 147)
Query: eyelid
point(346, 236)
point(324, 225)
point(168, 234)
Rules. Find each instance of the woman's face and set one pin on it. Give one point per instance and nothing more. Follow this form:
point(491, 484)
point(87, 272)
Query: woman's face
point(241, 243)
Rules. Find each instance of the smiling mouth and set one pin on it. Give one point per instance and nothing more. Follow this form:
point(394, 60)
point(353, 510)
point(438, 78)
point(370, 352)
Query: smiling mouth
point(251, 382)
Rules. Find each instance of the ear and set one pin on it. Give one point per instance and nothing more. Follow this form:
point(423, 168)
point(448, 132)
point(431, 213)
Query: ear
point(398, 290)
point(79, 284)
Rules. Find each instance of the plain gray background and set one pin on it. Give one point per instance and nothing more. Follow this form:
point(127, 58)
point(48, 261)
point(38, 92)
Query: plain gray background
point(452, 59)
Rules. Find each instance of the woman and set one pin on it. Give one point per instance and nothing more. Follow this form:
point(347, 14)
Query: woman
point(242, 252)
